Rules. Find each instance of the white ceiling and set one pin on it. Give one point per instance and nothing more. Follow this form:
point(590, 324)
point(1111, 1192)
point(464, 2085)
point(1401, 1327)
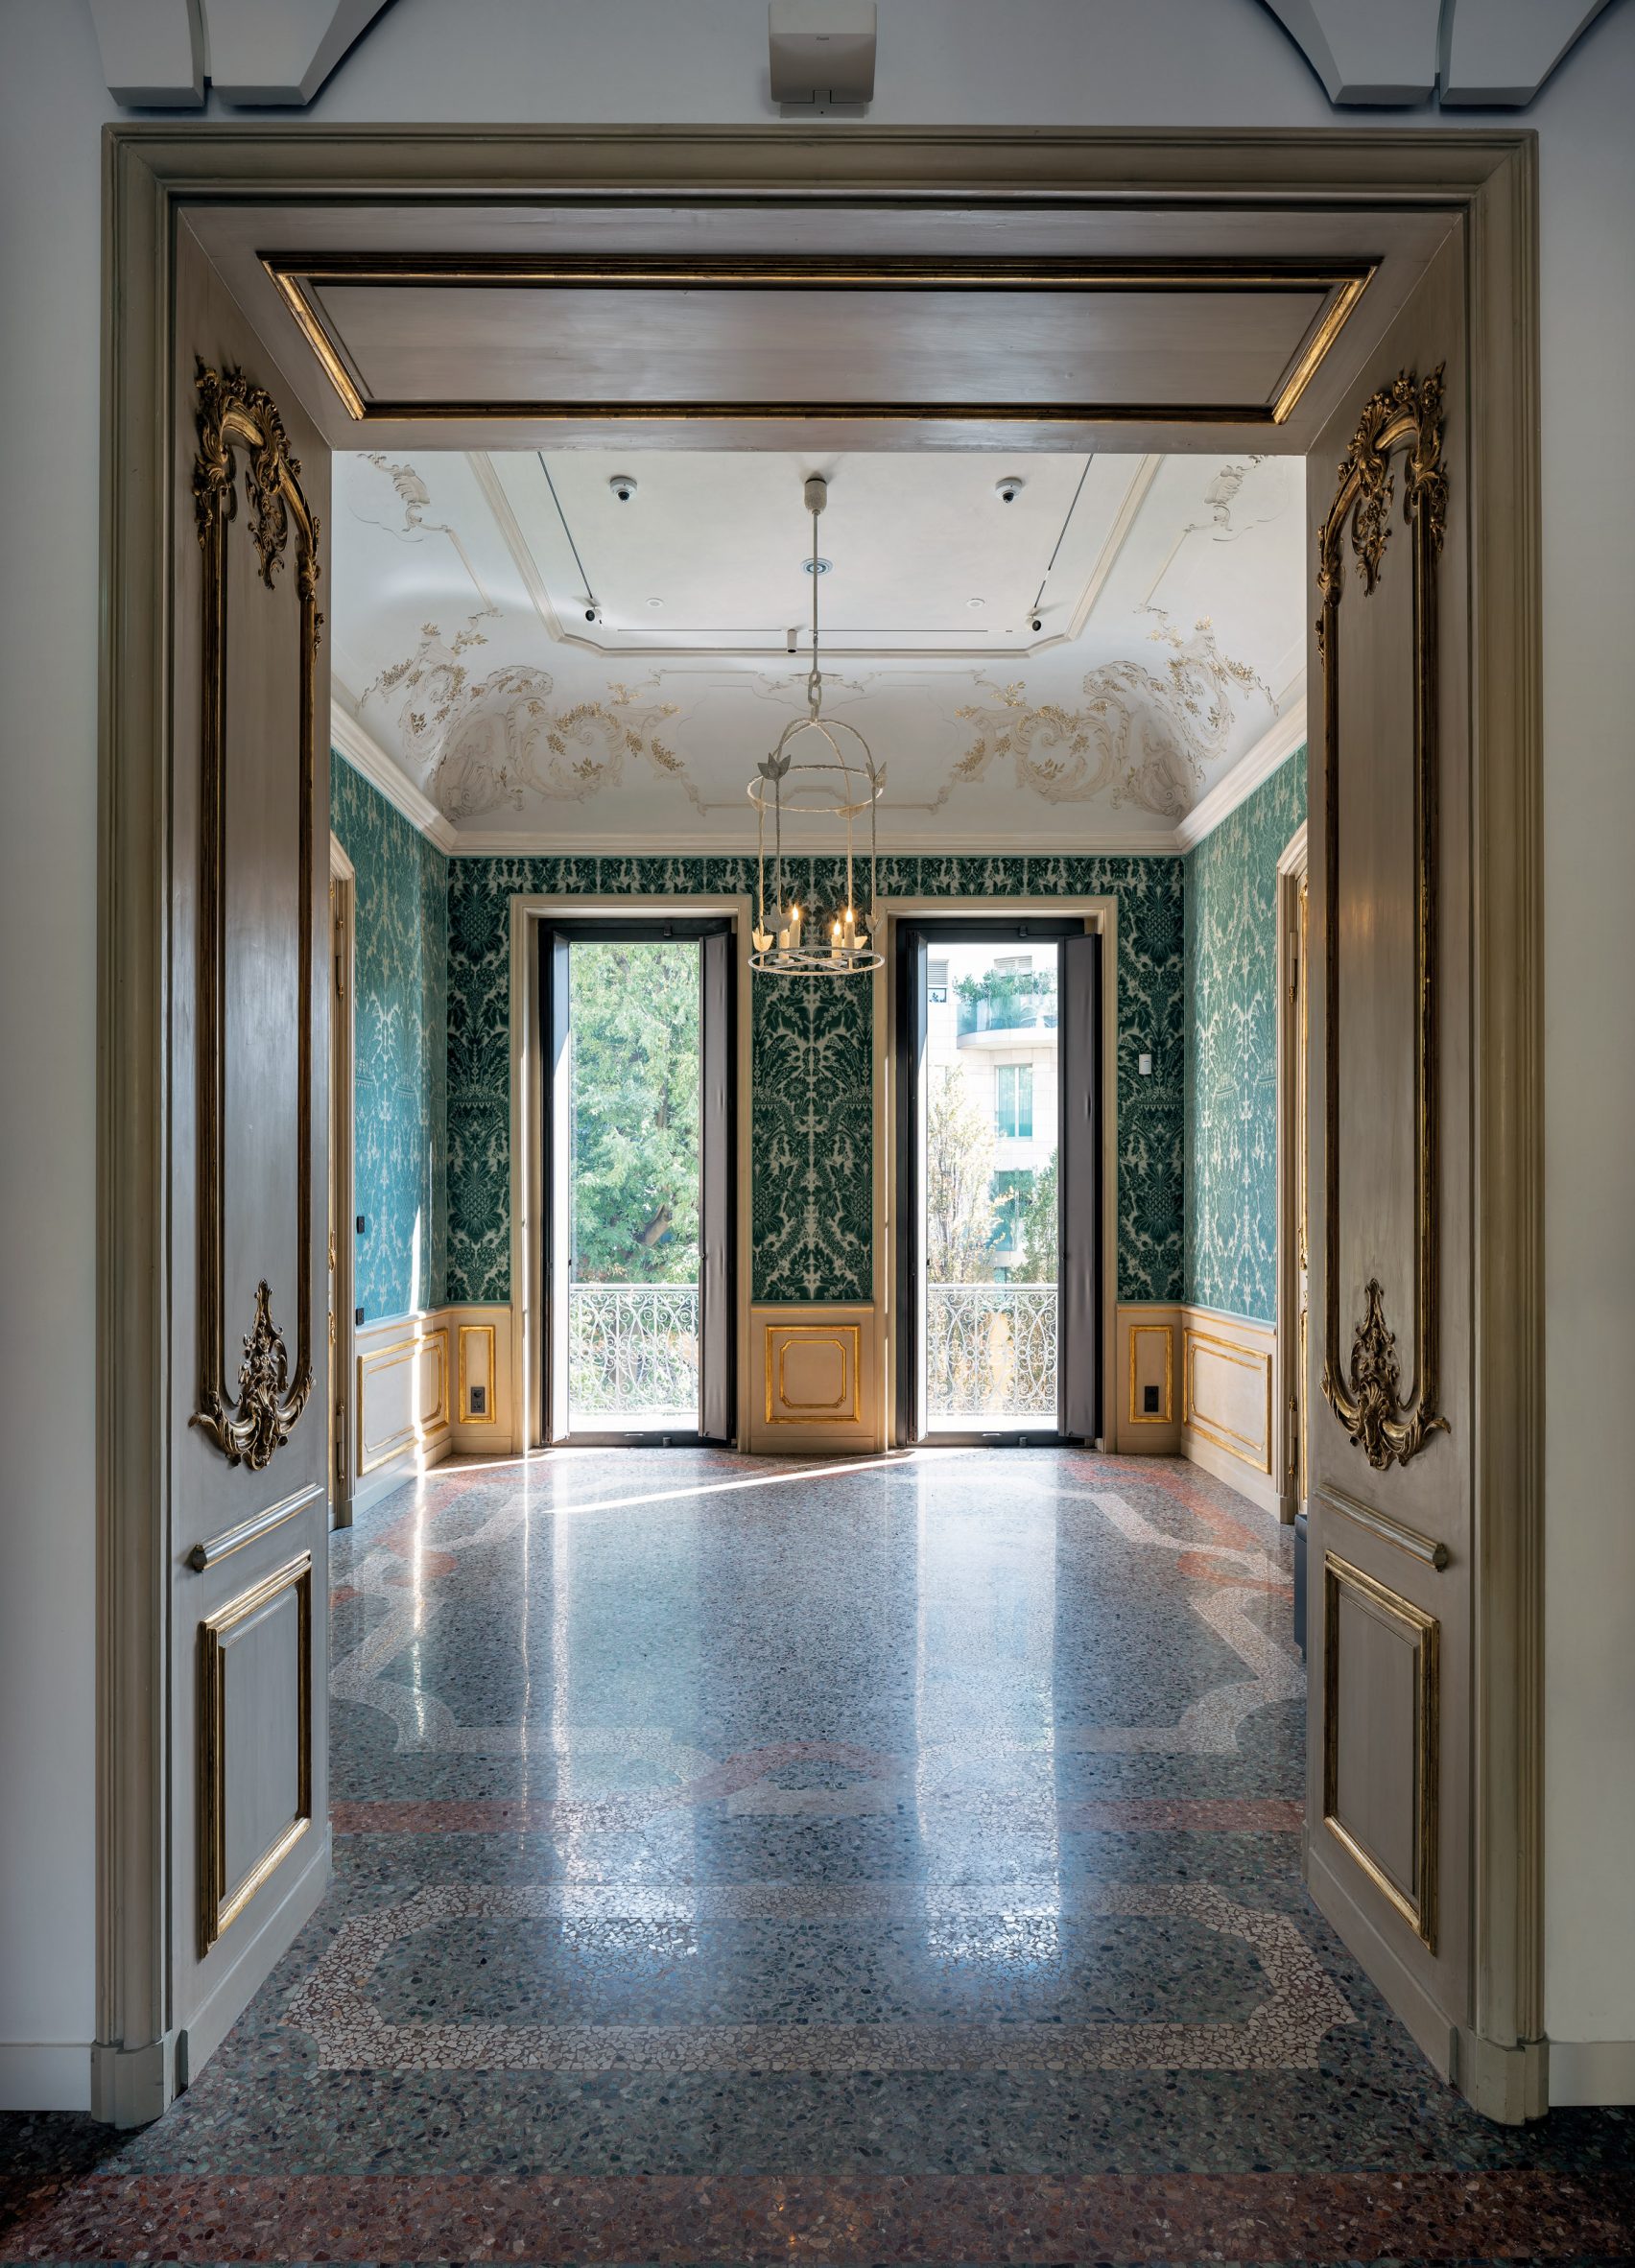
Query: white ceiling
point(1170, 591)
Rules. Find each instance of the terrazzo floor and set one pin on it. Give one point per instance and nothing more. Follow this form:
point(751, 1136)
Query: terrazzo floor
point(750, 1862)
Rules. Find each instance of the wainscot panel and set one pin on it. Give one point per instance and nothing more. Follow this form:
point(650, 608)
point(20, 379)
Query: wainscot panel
point(816, 1384)
point(1228, 1365)
point(482, 1413)
point(402, 1402)
point(1146, 1406)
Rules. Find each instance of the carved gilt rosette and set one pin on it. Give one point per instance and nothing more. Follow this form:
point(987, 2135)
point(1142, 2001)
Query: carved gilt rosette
point(1404, 420)
point(236, 418)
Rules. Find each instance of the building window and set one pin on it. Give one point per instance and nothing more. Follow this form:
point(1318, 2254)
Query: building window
point(937, 981)
point(1013, 1100)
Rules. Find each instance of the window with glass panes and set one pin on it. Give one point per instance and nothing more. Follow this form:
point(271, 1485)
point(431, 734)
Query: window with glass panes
point(1013, 1100)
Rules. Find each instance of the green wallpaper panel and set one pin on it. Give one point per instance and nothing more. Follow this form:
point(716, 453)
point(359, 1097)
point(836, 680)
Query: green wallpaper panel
point(1231, 1073)
point(812, 1155)
point(400, 1019)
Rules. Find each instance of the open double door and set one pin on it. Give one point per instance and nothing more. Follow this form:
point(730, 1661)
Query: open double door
point(1423, 1812)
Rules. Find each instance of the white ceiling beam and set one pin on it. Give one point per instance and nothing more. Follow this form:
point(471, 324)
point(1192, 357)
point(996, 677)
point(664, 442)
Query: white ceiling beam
point(1496, 54)
point(270, 53)
point(1384, 52)
point(153, 52)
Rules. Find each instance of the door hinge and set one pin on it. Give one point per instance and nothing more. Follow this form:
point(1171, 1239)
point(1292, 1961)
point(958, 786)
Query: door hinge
point(340, 958)
point(340, 1444)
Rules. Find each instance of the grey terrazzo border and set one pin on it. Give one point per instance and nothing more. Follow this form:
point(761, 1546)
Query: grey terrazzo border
point(1285, 2033)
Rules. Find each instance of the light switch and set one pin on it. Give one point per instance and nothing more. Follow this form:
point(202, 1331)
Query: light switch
point(1143, 1064)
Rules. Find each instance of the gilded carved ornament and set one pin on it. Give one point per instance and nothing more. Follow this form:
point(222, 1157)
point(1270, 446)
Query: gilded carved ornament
point(1365, 1393)
point(252, 1423)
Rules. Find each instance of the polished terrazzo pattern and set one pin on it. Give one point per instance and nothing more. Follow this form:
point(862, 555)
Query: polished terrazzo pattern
point(741, 1861)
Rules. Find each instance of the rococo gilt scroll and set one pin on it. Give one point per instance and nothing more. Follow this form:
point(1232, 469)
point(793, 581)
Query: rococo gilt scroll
point(1390, 1425)
point(234, 416)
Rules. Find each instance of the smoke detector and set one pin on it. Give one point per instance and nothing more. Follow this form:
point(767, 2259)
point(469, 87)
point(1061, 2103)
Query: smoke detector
point(822, 51)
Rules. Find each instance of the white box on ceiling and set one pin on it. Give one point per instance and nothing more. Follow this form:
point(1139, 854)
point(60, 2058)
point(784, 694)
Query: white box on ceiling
point(822, 51)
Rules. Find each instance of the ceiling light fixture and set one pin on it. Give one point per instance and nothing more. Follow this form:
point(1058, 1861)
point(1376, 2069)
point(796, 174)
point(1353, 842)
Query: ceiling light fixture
point(816, 778)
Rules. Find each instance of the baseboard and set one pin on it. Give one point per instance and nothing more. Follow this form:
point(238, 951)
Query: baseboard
point(210, 2024)
point(132, 2086)
point(1236, 1472)
point(1432, 2031)
point(407, 1465)
point(1505, 2080)
point(1590, 2074)
point(45, 2075)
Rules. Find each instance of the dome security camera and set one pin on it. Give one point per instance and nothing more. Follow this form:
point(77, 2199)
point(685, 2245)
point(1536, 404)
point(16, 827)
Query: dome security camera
point(1009, 489)
point(593, 614)
point(623, 487)
point(1038, 621)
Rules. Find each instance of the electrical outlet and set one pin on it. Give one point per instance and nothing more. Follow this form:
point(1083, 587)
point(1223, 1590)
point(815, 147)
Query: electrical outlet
point(1143, 1065)
point(1149, 1401)
point(477, 1401)
point(357, 1315)
point(363, 1223)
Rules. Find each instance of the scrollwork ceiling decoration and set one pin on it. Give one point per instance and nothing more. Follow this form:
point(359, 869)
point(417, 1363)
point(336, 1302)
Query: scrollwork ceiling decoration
point(478, 745)
point(1388, 1423)
point(236, 417)
point(450, 643)
point(1141, 737)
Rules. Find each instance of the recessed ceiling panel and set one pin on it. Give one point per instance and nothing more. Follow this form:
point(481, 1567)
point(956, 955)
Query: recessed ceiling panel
point(1040, 342)
point(708, 552)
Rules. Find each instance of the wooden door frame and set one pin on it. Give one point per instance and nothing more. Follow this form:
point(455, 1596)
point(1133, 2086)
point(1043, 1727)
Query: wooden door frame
point(1485, 181)
point(1290, 873)
point(343, 1133)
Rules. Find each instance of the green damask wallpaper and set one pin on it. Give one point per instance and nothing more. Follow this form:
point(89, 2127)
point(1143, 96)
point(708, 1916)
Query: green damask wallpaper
point(813, 1159)
point(1231, 1071)
point(400, 1016)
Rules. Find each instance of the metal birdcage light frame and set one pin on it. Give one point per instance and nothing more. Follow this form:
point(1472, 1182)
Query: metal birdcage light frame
point(799, 781)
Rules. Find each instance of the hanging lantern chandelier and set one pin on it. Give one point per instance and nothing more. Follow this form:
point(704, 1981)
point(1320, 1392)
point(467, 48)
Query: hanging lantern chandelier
point(814, 773)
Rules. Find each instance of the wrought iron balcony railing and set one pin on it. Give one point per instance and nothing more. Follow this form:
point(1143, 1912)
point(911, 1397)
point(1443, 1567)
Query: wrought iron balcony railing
point(990, 1354)
point(633, 1352)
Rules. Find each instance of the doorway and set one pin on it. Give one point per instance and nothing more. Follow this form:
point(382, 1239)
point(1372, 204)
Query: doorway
point(1429, 265)
point(638, 1045)
point(999, 1169)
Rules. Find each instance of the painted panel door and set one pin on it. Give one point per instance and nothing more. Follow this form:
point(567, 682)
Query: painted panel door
point(249, 1069)
point(1387, 1391)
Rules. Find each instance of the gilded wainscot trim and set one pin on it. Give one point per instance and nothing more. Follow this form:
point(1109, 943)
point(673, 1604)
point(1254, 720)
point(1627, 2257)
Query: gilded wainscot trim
point(1414, 1900)
point(248, 1424)
point(221, 1901)
point(1388, 1425)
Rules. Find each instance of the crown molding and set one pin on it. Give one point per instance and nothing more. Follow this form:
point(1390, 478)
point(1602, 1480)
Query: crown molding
point(533, 844)
point(364, 754)
point(1275, 746)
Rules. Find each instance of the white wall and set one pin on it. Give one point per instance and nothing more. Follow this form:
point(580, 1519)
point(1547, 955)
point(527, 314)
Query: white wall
point(1170, 62)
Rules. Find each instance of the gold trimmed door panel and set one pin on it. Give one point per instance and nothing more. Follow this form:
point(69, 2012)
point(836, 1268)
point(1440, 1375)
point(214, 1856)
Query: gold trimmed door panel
point(248, 1068)
point(1388, 1010)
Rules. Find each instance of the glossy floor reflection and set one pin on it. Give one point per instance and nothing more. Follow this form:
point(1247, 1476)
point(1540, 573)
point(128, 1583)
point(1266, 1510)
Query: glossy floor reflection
point(893, 1861)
